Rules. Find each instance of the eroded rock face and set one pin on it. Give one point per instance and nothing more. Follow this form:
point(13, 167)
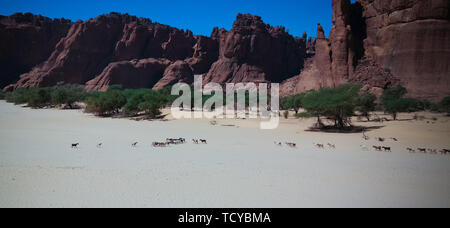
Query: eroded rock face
point(134, 74)
point(255, 52)
point(206, 52)
point(374, 42)
point(373, 77)
point(411, 38)
point(27, 40)
point(179, 71)
point(317, 72)
point(89, 48)
point(82, 54)
point(380, 43)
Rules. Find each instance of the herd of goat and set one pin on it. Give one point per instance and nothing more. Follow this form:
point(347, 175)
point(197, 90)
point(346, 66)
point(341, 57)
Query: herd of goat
point(176, 141)
point(168, 142)
point(376, 148)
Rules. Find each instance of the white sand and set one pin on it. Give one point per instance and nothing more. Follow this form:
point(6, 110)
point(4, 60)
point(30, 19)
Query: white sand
point(240, 167)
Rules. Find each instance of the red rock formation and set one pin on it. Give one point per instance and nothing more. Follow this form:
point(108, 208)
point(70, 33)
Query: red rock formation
point(90, 46)
point(179, 71)
point(206, 52)
point(373, 77)
point(380, 43)
point(317, 71)
point(340, 38)
point(82, 54)
point(411, 38)
point(255, 52)
point(27, 40)
point(134, 74)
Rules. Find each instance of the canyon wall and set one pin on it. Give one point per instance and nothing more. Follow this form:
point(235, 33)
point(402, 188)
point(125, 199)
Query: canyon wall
point(411, 39)
point(382, 43)
point(120, 49)
point(27, 40)
point(377, 43)
point(256, 52)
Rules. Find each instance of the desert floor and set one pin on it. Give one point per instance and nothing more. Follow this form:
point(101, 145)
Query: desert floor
point(239, 167)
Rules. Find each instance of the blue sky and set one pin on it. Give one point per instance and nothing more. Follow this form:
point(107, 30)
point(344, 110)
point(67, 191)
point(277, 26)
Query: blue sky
point(200, 16)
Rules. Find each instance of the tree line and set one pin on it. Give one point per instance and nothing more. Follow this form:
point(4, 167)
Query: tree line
point(336, 104)
point(341, 103)
point(114, 101)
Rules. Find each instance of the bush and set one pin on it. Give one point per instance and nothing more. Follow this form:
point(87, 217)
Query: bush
point(115, 87)
point(394, 102)
point(2, 95)
point(303, 115)
point(67, 95)
point(424, 105)
point(292, 102)
point(38, 97)
point(337, 104)
point(401, 105)
point(18, 96)
point(393, 93)
point(147, 101)
point(105, 103)
point(444, 105)
point(365, 103)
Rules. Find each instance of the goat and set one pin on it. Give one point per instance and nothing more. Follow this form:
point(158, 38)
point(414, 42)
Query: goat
point(75, 145)
point(410, 150)
point(377, 148)
point(332, 146)
point(423, 150)
point(134, 144)
point(365, 137)
point(320, 146)
point(159, 144)
point(195, 141)
point(387, 149)
point(203, 141)
point(293, 145)
point(99, 145)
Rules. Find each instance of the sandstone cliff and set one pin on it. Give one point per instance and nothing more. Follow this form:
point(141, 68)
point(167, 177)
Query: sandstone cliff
point(119, 48)
point(380, 43)
point(256, 52)
point(411, 39)
point(27, 40)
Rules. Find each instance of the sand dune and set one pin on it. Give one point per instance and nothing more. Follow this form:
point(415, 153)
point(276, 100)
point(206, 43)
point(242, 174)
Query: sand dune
point(239, 167)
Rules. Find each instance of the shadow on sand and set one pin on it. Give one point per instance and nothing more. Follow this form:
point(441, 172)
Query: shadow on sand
point(350, 130)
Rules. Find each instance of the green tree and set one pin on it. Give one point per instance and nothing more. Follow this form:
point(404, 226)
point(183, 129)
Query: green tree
point(293, 102)
point(337, 104)
point(444, 105)
point(393, 93)
point(106, 103)
point(394, 102)
point(18, 96)
point(365, 103)
point(115, 87)
point(147, 101)
point(39, 97)
point(66, 95)
point(400, 105)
